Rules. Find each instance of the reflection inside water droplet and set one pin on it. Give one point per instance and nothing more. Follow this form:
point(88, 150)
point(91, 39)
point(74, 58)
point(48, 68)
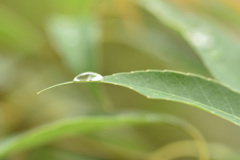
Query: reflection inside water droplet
point(88, 76)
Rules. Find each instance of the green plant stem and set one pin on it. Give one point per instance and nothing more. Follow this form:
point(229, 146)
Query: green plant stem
point(194, 133)
point(186, 148)
point(85, 146)
point(48, 133)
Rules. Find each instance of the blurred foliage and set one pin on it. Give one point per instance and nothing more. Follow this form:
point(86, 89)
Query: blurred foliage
point(47, 42)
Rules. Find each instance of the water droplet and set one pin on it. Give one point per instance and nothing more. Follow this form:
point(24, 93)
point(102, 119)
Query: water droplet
point(88, 76)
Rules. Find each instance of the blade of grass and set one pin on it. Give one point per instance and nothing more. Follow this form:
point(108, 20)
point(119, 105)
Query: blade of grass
point(47, 133)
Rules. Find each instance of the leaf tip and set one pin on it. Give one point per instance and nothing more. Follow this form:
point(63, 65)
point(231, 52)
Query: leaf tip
point(70, 82)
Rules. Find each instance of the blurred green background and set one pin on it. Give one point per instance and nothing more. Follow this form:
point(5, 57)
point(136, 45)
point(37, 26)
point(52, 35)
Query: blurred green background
point(44, 42)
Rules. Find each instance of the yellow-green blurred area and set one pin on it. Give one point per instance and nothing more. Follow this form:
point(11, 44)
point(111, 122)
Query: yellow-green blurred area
point(44, 42)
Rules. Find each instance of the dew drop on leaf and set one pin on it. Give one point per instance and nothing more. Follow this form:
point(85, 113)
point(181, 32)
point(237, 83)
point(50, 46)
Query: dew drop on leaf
point(88, 76)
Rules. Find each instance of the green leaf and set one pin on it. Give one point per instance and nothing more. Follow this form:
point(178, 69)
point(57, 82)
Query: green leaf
point(190, 89)
point(217, 49)
point(160, 47)
point(76, 40)
point(52, 131)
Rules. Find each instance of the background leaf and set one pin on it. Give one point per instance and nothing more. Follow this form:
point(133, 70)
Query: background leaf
point(162, 42)
point(76, 39)
point(218, 50)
